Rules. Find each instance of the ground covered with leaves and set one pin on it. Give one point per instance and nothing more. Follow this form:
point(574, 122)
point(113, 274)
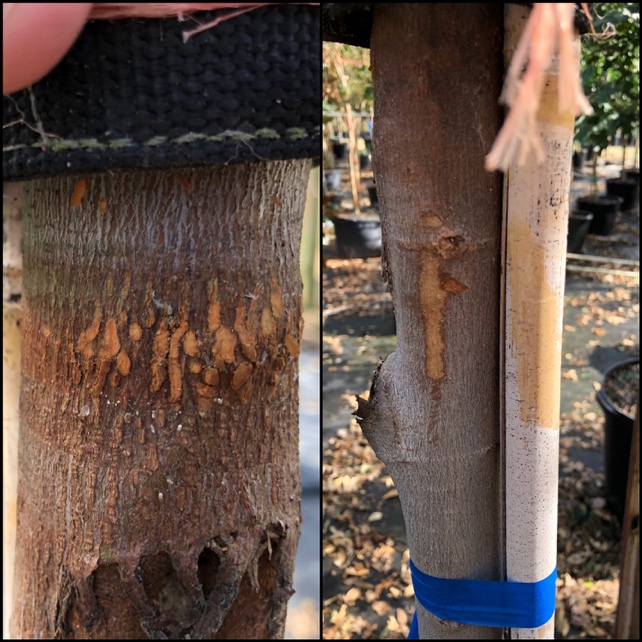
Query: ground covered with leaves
point(367, 591)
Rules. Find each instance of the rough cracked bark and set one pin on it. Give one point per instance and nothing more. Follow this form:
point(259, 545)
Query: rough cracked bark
point(433, 416)
point(159, 477)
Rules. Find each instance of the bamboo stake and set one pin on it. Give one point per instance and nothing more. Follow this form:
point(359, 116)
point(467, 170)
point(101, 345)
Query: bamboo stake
point(11, 350)
point(597, 270)
point(536, 216)
point(589, 258)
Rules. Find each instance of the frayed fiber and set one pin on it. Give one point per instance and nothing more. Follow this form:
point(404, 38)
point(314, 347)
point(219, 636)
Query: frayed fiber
point(117, 11)
point(548, 35)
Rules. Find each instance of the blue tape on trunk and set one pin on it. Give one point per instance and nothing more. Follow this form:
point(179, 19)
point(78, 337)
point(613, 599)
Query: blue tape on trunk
point(510, 605)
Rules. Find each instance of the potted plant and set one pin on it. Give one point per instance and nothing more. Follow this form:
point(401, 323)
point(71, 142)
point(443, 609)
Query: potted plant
point(579, 157)
point(578, 226)
point(610, 76)
point(372, 194)
point(604, 209)
point(618, 398)
point(333, 180)
point(340, 149)
point(627, 189)
point(357, 236)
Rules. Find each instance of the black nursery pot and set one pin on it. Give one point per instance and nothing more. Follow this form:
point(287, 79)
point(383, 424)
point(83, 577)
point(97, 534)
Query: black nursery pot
point(340, 150)
point(628, 189)
point(372, 194)
point(578, 227)
point(604, 209)
point(578, 159)
point(357, 237)
point(618, 432)
point(333, 180)
point(632, 174)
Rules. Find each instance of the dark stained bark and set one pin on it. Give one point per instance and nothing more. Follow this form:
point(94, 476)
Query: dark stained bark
point(434, 412)
point(159, 466)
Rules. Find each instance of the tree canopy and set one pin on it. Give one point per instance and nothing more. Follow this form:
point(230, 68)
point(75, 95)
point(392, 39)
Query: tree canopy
point(611, 75)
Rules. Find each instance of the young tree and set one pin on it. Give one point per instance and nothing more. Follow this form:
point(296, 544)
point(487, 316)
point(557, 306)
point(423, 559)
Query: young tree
point(347, 84)
point(433, 416)
point(611, 76)
point(476, 275)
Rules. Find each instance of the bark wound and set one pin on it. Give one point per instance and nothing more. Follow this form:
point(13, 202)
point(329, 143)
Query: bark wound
point(434, 287)
point(214, 310)
point(175, 370)
point(248, 342)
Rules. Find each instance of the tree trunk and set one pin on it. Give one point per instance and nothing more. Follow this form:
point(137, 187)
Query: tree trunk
point(159, 466)
point(434, 412)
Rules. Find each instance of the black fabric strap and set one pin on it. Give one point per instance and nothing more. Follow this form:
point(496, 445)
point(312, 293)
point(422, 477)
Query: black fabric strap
point(131, 94)
point(351, 23)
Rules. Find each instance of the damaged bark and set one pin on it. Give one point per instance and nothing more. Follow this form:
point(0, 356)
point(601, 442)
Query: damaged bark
point(433, 416)
point(159, 466)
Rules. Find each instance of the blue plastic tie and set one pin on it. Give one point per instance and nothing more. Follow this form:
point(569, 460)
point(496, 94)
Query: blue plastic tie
point(509, 605)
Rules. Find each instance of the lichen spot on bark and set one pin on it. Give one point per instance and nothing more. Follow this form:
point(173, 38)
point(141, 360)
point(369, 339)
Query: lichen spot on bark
point(194, 366)
point(159, 374)
point(205, 391)
point(175, 381)
point(177, 335)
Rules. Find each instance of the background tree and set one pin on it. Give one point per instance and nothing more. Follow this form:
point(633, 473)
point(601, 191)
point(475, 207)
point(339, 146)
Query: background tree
point(611, 78)
point(347, 86)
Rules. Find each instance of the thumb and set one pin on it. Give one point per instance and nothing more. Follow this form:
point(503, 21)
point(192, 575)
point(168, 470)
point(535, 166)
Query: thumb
point(35, 37)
